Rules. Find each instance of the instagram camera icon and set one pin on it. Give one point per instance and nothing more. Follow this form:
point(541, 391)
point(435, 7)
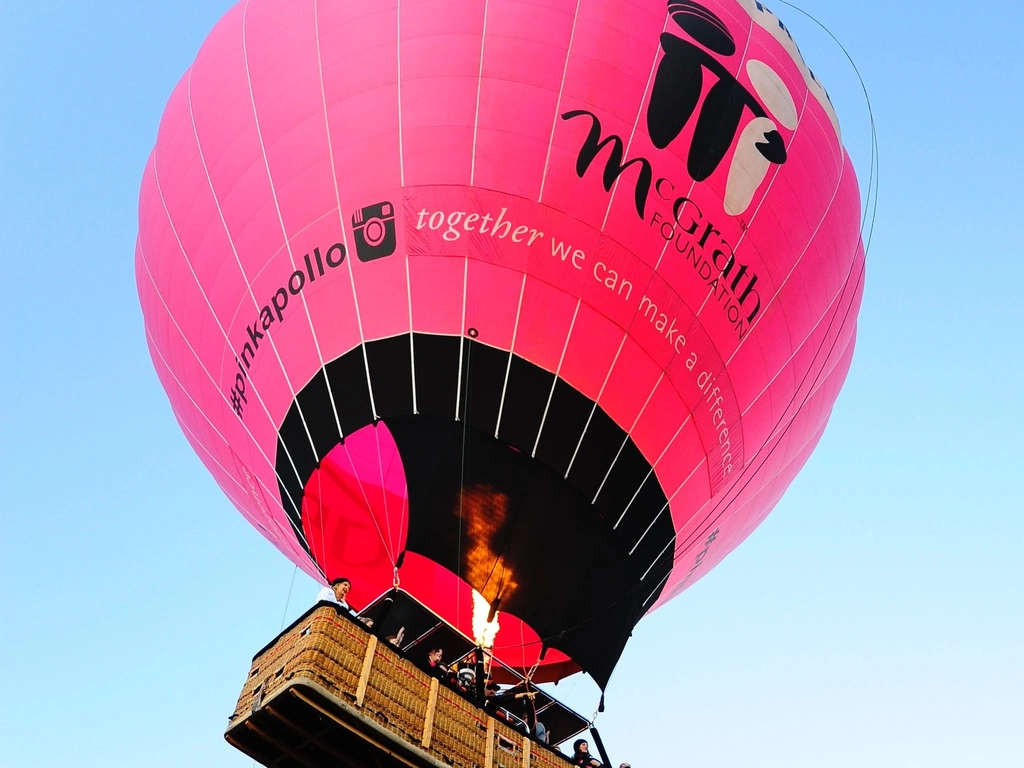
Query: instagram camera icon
point(374, 231)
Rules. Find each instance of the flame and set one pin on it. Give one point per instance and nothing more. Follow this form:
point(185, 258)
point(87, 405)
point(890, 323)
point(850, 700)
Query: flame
point(483, 631)
point(484, 513)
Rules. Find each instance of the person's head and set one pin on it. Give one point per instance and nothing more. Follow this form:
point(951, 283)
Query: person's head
point(434, 656)
point(341, 586)
point(581, 746)
point(492, 688)
point(624, 765)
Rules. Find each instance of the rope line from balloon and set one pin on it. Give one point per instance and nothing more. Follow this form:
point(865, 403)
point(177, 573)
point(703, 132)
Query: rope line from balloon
point(462, 458)
point(288, 600)
point(871, 198)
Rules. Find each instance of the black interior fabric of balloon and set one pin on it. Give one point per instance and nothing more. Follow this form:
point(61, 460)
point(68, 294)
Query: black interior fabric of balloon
point(532, 518)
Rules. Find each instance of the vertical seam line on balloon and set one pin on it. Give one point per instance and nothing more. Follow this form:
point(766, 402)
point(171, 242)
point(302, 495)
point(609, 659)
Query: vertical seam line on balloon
point(366, 500)
point(198, 409)
point(479, 88)
point(288, 248)
point(626, 439)
point(586, 426)
point(650, 525)
point(511, 352)
point(350, 494)
point(195, 277)
point(558, 371)
point(558, 102)
point(341, 219)
point(334, 178)
point(398, 55)
point(402, 518)
point(209, 306)
point(636, 122)
point(334, 175)
point(650, 472)
point(384, 495)
point(199, 360)
point(198, 440)
point(462, 338)
point(320, 513)
point(412, 345)
point(675, 533)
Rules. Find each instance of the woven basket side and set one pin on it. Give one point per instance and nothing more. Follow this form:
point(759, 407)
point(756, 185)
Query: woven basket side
point(265, 667)
point(543, 758)
point(324, 648)
point(508, 746)
point(460, 731)
point(396, 694)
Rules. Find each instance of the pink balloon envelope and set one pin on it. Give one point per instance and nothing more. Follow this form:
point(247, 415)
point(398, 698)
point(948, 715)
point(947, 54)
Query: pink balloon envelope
point(547, 300)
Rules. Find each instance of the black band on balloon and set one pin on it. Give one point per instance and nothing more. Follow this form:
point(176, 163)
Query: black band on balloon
point(546, 549)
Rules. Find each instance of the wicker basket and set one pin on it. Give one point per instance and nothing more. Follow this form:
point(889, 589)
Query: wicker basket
point(371, 681)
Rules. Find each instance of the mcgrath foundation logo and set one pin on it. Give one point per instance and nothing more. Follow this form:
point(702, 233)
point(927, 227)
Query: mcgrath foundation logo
point(676, 97)
point(694, 78)
point(729, 114)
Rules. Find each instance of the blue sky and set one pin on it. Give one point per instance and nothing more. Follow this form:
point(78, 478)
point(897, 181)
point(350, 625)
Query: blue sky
point(876, 618)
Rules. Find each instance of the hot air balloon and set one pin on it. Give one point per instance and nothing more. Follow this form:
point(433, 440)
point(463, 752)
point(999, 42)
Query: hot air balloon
point(549, 302)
